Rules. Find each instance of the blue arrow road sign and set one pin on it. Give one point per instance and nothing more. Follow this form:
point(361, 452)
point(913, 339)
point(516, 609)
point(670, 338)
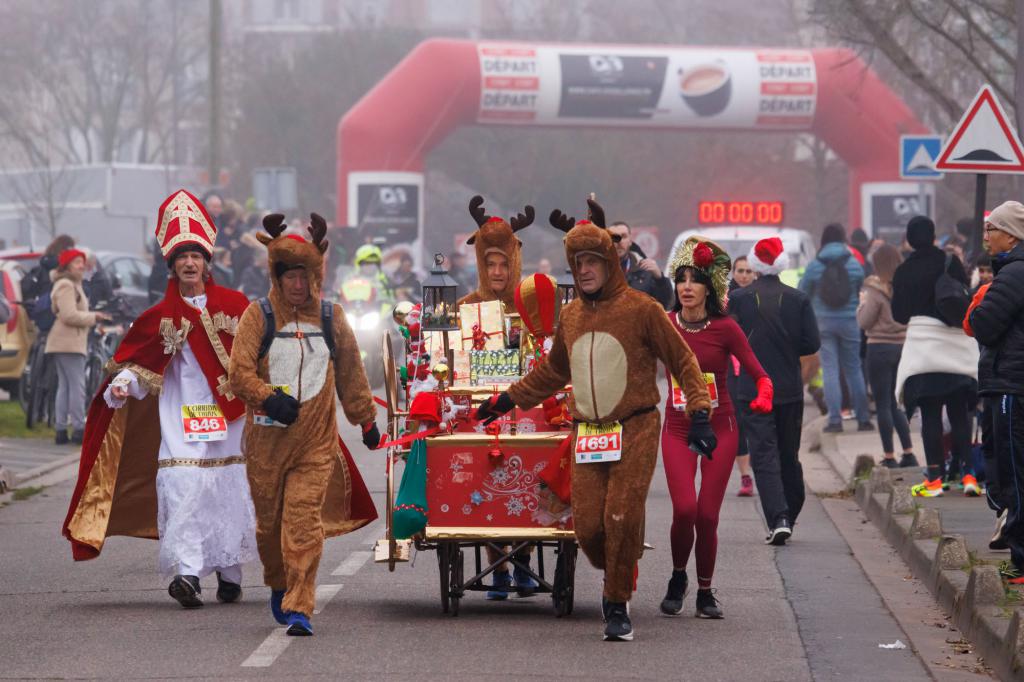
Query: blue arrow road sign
point(918, 154)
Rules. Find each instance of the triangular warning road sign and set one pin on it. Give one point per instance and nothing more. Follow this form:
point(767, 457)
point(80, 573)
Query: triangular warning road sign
point(983, 141)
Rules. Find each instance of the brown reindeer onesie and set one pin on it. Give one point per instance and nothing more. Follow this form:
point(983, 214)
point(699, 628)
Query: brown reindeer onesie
point(494, 235)
point(608, 347)
point(293, 470)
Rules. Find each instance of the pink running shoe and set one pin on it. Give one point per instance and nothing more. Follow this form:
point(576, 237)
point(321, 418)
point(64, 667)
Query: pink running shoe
point(746, 486)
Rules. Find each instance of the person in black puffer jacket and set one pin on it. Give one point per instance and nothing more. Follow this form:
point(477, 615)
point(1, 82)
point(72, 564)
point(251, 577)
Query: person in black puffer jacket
point(938, 366)
point(997, 319)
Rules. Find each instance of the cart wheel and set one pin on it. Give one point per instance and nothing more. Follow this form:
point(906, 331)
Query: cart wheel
point(565, 571)
point(456, 579)
point(443, 566)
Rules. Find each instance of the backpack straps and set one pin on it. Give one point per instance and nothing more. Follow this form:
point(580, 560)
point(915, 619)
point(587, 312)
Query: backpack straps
point(327, 324)
point(270, 327)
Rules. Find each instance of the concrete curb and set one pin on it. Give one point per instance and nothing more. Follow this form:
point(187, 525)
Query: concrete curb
point(972, 594)
point(26, 476)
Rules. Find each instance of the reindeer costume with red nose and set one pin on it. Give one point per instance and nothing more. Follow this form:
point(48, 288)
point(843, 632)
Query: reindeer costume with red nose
point(607, 346)
point(494, 235)
point(304, 483)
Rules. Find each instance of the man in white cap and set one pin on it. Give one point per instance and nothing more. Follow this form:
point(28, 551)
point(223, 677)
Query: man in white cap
point(779, 323)
point(996, 318)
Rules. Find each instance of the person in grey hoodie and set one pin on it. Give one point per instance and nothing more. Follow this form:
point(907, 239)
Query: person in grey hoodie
point(833, 281)
point(885, 345)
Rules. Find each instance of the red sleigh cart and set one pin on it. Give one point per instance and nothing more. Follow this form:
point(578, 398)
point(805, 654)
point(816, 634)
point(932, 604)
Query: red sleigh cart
point(485, 491)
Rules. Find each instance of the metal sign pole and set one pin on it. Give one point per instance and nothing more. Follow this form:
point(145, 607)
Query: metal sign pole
point(977, 242)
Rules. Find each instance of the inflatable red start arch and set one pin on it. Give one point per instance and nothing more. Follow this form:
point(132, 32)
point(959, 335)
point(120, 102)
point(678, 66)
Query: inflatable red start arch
point(443, 84)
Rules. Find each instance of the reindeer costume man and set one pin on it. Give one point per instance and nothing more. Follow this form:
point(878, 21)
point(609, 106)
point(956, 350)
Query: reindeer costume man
point(499, 263)
point(294, 354)
point(608, 345)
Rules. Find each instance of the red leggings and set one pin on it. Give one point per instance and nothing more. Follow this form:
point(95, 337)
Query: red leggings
point(694, 513)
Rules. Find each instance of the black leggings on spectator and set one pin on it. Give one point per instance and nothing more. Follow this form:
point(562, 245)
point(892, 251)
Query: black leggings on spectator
point(882, 361)
point(931, 431)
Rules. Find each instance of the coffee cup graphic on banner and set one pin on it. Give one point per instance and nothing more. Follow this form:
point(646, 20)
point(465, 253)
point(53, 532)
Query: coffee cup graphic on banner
point(706, 88)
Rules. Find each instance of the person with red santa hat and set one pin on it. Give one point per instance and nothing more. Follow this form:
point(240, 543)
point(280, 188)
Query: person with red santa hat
point(780, 325)
point(162, 457)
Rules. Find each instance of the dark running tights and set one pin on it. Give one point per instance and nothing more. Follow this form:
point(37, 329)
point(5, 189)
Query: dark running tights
point(931, 432)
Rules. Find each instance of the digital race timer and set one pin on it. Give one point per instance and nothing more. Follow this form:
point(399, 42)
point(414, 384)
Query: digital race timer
point(740, 212)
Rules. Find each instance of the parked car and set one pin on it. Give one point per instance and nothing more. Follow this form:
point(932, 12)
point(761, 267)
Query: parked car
point(18, 333)
point(737, 241)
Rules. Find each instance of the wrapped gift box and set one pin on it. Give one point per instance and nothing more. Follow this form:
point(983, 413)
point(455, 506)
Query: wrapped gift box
point(460, 367)
point(490, 315)
point(466, 487)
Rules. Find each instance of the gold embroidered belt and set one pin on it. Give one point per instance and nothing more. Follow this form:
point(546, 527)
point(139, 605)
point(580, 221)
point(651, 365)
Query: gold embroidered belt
point(219, 462)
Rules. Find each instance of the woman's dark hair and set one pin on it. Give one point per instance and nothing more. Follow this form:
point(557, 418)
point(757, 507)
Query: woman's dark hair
point(712, 303)
point(833, 232)
point(62, 242)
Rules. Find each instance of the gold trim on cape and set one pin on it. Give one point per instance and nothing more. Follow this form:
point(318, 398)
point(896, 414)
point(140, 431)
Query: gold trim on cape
point(149, 380)
point(172, 337)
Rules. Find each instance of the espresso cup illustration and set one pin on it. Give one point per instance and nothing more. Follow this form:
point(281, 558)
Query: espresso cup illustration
point(706, 88)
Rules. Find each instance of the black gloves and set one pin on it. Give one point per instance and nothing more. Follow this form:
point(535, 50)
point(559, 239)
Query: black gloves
point(702, 439)
point(281, 407)
point(371, 436)
point(494, 407)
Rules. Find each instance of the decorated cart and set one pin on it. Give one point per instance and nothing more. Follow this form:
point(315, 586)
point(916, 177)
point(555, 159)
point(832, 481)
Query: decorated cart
point(467, 487)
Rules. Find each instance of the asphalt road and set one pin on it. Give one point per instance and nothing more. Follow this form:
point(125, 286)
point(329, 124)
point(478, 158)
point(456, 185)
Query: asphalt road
point(805, 611)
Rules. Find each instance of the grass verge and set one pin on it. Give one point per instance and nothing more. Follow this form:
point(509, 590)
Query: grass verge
point(26, 492)
point(12, 423)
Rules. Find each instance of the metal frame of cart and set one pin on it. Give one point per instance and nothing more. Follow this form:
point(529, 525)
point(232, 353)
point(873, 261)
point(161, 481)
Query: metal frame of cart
point(452, 543)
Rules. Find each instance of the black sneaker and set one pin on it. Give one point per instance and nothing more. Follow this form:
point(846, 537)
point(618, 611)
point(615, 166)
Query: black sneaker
point(618, 628)
point(780, 533)
point(62, 437)
point(833, 428)
point(889, 463)
point(227, 593)
point(707, 604)
point(186, 590)
point(605, 604)
point(865, 426)
point(78, 436)
point(908, 460)
point(672, 604)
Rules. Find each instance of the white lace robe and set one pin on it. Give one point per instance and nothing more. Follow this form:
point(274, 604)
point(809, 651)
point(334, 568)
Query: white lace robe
point(205, 515)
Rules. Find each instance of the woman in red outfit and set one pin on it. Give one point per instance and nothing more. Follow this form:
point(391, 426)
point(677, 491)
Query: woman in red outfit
point(700, 269)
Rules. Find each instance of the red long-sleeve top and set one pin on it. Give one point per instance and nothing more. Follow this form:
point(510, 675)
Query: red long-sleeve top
point(714, 347)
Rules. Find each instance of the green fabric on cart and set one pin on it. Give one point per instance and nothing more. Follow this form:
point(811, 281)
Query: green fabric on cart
point(410, 513)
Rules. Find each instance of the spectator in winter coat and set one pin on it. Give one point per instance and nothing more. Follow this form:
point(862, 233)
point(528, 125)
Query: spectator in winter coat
point(997, 319)
point(38, 281)
point(833, 281)
point(885, 344)
point(939, 365)
point(781, 327)
point(642, 273)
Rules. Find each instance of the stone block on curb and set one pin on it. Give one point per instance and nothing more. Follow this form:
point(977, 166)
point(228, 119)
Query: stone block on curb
point(927, 524)
point(900, 500)
point(1015, 637)
point(984, 588)
point(952, 553)
point(881, 479)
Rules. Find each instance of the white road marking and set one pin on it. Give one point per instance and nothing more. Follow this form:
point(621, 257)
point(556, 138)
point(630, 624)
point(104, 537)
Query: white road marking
point(324, 594)
point(352, 564)
point(267, 652)
point(278, 640)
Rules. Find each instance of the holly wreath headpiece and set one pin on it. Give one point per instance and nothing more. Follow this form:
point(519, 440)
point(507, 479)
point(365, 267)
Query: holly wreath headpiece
point(709, 259)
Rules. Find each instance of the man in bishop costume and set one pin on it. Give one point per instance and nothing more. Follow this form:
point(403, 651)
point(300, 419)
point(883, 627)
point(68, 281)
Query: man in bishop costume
point(162, 453)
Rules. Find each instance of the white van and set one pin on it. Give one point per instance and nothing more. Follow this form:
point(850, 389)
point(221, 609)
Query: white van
point(738, 240)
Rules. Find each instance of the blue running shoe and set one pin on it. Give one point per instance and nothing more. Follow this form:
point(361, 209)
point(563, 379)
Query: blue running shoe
point(298, 625)
point(502, 585)
point(276, 597)
point(526, 586)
